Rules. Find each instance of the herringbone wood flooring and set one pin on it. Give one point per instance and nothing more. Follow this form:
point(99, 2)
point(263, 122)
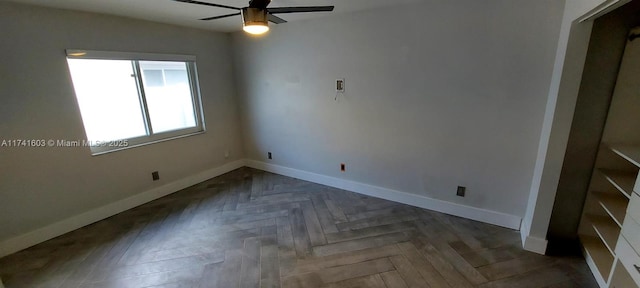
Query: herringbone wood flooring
point(250, 228)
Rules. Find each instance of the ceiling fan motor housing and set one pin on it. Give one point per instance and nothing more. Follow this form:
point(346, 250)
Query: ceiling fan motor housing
point(255, 16)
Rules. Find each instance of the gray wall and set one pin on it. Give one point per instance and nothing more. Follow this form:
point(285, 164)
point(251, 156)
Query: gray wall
point(439, 94)
point(39, 186)
point(606, 48)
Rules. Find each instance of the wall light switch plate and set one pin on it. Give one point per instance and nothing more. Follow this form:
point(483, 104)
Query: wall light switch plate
point(340, 85)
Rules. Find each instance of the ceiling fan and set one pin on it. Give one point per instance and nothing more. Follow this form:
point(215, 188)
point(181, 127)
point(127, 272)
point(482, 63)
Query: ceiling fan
point(256, 16)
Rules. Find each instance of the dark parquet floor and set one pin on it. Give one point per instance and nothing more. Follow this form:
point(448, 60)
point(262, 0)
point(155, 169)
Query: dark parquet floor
point(250, 228)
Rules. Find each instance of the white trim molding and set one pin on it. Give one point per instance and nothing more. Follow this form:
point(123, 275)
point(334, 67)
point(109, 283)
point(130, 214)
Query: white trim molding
point(40, 235)
point(532, 243)
point(535, 244)
point(604, 8)
point(473, 213)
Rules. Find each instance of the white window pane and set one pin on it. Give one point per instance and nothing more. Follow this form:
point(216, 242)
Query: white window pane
point(153, 77)
point(174, 77)
point(170, 104)
point(108, 98)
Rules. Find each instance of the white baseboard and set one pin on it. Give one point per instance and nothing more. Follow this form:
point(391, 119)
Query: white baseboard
point(478, 214)
point(531, 243)
point(40, 235)
point(535, 244)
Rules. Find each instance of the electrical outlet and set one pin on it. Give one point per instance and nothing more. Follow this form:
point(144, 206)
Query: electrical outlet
point(340, 85)
point(155, 176)
point(226, 154)
point(461, 191)
point(269, 155)
point(343, 167)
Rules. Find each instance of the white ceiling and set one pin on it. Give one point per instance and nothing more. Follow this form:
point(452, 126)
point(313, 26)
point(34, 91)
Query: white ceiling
point(167, 11)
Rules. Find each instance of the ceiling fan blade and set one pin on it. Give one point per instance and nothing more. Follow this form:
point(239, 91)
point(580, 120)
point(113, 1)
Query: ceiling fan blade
point(259, 3)
point(276, 19)
point(207, 4)
point(282, 10)
point(219, 17)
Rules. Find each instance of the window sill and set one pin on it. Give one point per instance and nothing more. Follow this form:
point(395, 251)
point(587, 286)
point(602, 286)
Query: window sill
point(103, 152)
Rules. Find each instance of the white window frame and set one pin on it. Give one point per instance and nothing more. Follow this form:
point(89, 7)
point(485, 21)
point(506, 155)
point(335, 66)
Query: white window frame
point(151, 138)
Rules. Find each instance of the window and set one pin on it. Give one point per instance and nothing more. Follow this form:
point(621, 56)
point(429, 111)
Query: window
point(132, 99)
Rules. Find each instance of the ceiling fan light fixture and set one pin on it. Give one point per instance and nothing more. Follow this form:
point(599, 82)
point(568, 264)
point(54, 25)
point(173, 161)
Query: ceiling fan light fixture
point(255, 29)
point(255, 20)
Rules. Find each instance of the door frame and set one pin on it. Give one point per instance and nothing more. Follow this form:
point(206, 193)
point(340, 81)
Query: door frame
point(571, 53)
